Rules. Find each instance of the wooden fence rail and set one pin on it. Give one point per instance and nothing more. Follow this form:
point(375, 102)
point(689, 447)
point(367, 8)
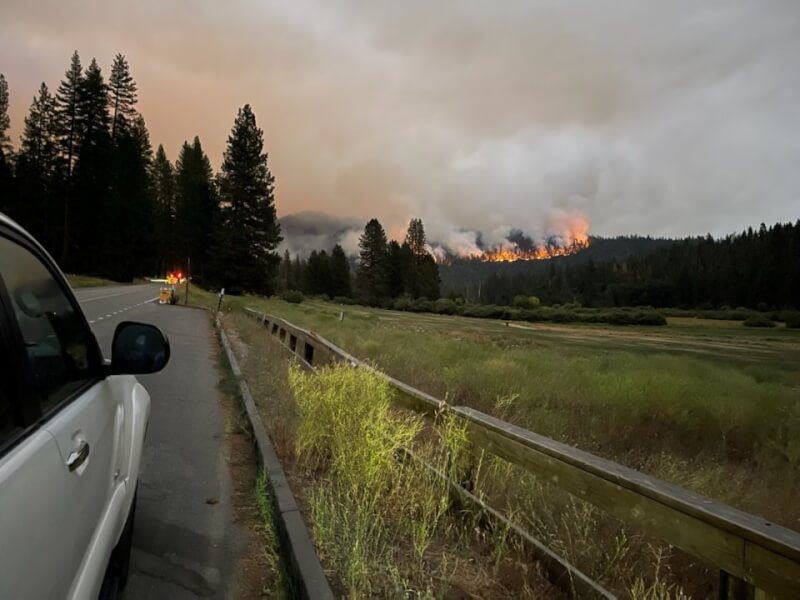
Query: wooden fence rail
point(757, 559)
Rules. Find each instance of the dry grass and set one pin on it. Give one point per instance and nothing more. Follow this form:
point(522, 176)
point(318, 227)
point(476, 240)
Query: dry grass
point(383, 527)
point(722, 426)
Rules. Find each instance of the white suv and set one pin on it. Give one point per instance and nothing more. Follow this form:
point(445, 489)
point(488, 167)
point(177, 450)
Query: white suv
point(72, 427)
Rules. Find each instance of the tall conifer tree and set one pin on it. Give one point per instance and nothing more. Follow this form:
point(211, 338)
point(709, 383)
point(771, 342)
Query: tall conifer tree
point(372, 276)
point(121, 96)
point(37, 171)
point(196, 208)
point(248, 230)
point(5, 121)
point(340, 273)
point(163, 182)
point(67, 111)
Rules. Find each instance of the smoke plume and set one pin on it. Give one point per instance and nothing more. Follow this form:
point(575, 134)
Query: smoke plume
point(559, 233)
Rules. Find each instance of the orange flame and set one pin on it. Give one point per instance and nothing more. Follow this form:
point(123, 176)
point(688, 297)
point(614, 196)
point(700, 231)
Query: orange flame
point(569, 234)
point(538, 253)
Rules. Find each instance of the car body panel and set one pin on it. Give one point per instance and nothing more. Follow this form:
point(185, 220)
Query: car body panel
point(59, 526)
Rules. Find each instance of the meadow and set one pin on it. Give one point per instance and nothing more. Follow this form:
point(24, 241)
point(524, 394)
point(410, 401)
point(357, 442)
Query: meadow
point(709, 405)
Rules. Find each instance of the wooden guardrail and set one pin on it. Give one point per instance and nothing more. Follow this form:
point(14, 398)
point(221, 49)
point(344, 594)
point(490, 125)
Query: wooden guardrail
point(757, 559)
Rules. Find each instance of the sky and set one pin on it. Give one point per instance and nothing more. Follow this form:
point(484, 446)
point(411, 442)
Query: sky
point(654, 118)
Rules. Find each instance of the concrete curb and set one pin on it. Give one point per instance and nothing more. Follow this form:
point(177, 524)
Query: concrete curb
point(302, 564)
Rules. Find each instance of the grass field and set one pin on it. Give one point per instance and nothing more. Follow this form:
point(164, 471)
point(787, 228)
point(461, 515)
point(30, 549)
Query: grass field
point(705, 404)
point(709, 405)
point(78, 281)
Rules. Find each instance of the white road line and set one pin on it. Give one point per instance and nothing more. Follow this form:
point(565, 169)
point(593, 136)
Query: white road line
point(122, 310)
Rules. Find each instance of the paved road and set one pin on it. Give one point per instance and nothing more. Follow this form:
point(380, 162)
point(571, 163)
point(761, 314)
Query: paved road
point(186, 543)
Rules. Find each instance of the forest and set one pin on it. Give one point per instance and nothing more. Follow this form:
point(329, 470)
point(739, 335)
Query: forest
point(753, 269)
point(87, 184)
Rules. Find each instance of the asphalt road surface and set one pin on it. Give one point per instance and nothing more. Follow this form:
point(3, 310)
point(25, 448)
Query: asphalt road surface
point(186, 543)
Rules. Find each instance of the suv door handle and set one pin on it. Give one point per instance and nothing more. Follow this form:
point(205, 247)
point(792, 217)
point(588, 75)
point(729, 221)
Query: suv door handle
point(78, 457)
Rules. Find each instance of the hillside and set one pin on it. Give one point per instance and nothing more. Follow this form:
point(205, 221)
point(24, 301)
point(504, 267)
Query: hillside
point(463, 276)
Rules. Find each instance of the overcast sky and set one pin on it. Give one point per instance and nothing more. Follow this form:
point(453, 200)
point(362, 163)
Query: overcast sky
point(663, 118)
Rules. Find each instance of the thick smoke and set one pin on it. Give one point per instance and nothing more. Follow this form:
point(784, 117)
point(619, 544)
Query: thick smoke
point(662, 118)
point(307, 231)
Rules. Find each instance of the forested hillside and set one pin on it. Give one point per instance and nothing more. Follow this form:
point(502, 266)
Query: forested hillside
point(754, 269)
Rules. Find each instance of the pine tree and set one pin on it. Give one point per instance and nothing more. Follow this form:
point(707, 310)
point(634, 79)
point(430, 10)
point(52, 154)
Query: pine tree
point(67, 111)
point(397, 263)
point(130, 214)
point(67, 108)
point(372, 262)
point(91, 176)
point(8, 191)
point(5, 121)
point(285, 273)
point(248, 230)
point(318, 273)
point(196, 208)
point(340, 273)
point(163, 182)
point(37, 172)
point(122, 96)
point(299, 274)
point(414, 256)
point(8, 188)
point(428, 278)
point(415, 238)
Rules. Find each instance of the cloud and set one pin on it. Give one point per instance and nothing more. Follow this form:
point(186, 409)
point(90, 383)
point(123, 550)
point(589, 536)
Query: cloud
point(654, 118)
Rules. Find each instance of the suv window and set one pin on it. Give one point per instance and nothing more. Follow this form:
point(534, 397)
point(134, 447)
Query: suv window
point(57, 341)
point(8, 420)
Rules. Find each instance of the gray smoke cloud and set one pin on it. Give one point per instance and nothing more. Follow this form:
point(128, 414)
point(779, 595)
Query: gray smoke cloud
point(306, 231)
point(662, 118)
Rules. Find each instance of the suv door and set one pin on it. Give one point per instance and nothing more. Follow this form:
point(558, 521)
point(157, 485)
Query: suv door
point(56, 482)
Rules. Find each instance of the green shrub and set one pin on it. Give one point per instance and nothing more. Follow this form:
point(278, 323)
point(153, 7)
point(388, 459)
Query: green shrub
point(402, 303)
point(791, 318)
point(421, 305)
point(343, 300)
point(293, 296)
point(650, 317)
point(445, 306)
point(532, 316)
point(563, 316)
point(526, 302)
point(759, 321)
point(484, 311)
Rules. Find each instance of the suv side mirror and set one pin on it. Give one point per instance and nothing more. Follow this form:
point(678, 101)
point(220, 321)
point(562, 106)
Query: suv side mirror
point(138, 348)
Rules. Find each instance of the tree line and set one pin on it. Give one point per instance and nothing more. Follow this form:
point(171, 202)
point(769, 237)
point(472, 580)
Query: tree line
point(86, 183)
point(385, 269)
point(752, 269)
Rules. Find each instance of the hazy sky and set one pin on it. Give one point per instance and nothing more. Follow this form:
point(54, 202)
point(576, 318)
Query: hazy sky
point(668, 118)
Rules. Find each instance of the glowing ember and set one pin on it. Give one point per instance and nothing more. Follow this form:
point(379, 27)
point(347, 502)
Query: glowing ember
point(511, 254)
point(568, 233)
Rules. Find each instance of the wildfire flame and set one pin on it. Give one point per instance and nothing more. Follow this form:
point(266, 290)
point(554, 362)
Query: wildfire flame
point(511, 254)
point(568, 234)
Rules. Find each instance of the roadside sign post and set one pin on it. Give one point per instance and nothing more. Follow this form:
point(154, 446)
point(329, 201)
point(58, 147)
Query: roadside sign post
point(219, 304)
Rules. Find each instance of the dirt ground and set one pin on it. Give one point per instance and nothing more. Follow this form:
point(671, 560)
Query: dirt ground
point(260, 574)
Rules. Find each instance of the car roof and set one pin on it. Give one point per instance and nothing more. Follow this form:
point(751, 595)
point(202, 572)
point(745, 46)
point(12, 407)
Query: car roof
point(12, 224)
